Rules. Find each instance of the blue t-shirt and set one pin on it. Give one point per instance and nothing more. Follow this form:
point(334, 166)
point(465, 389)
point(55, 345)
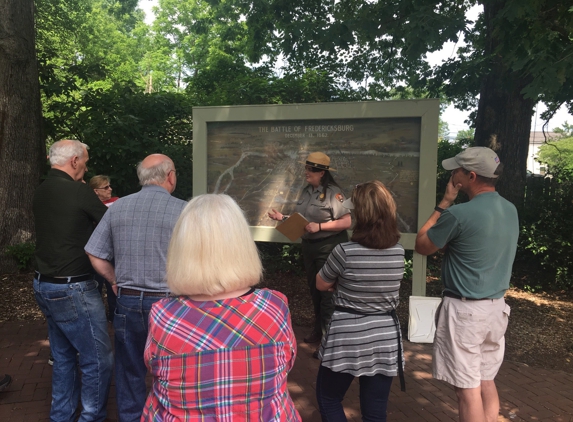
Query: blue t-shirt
point(481, 238)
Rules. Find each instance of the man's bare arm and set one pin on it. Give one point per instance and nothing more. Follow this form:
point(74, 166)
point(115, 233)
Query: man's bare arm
point(424, 246)
point(105, 269)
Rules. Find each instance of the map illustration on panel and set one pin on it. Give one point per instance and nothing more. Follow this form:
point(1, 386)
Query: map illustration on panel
point(261, 163)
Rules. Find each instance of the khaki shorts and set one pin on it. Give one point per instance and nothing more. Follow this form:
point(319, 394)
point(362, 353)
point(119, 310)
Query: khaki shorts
point(470, 340)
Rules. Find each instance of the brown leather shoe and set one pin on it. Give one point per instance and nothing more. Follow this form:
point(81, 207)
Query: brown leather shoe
point(313, 337)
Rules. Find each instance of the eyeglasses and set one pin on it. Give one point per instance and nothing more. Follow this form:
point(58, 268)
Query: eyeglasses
point(312, 169)
point(106, 187)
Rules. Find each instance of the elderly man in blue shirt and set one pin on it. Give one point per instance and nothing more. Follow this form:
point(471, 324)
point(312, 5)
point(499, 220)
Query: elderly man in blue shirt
point(135, 235)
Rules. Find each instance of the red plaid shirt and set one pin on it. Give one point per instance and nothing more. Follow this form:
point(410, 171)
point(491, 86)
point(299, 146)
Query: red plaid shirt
point(224, 360)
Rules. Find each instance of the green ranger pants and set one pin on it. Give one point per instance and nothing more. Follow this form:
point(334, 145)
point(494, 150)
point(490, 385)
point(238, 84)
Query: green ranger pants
point(315, 254)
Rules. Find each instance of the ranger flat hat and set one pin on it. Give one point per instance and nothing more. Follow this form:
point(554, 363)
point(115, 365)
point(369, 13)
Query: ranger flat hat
point(318, 160)
point(481, 160)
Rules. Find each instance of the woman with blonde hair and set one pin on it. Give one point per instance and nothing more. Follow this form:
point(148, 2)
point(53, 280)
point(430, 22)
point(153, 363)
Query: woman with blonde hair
point(219, 350)
point(363, 339)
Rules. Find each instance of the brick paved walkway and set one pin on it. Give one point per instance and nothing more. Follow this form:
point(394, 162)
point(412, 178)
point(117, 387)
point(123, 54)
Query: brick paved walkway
point(527, 394)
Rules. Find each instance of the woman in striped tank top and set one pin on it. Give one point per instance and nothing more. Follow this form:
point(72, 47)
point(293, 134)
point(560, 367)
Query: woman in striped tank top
point(363, 339)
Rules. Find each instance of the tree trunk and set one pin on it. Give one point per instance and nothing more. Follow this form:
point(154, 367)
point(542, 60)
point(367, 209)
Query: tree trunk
point(503, 119)
point(22, 144)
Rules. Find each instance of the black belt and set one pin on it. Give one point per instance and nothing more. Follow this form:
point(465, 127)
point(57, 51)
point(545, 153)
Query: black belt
point(447, 293)
point(63, 280)
point(394, 316)
point(133, 292)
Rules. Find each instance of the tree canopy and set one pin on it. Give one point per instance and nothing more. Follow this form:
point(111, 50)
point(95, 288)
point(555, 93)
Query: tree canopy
point(517, 53)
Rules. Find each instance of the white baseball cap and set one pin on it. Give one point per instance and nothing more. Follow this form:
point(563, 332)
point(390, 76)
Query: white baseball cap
point(482, 161)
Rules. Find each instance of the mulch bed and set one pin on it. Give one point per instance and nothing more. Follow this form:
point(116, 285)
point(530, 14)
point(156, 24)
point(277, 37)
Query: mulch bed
point(540, 332)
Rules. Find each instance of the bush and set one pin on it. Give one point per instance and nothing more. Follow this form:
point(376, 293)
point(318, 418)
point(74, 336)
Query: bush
point(281, 257)
point(23, 253)
point(546, 234)
point(122, 126)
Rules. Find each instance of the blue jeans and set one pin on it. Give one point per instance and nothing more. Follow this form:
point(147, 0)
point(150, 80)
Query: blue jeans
point(332, 386)
point(77, 324)
point(130, 323)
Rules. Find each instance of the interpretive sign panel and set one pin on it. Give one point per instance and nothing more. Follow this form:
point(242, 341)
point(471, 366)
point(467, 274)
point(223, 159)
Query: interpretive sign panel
point(259, 163)
point(256, 155)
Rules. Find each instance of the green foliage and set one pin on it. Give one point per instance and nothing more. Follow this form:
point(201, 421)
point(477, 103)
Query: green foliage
point(443, 130)
point(122, 126)
point(23, 253)
point(355, 40)
point(408, 264)
point(229, 83)
point(546, 237)
point(565, 131)
point(86, 42)
point(558, 155)
point(88, 45)
point(387, 41)
point(516, 53)
point(198, 34)
point(281, 257)
point(466, 135)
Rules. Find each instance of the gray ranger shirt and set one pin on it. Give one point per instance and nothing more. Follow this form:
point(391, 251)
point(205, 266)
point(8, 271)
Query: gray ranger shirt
point(315, 210)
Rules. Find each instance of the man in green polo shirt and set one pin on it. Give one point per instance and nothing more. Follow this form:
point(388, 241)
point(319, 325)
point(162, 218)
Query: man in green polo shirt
point(66, 212)
point(480, 241)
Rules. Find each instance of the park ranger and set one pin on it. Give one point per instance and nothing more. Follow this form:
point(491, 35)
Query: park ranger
point(321, 204)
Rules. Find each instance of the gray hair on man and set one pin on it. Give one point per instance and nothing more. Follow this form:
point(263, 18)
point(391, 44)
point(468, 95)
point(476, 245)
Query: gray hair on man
point(65, 149)
point(154, 175)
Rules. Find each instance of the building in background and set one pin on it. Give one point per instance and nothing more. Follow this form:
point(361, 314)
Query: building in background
point(536, 139)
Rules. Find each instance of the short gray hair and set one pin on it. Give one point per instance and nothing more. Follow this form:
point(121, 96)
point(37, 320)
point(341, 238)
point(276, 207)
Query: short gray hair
point(154, 175)
point(64, 150)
